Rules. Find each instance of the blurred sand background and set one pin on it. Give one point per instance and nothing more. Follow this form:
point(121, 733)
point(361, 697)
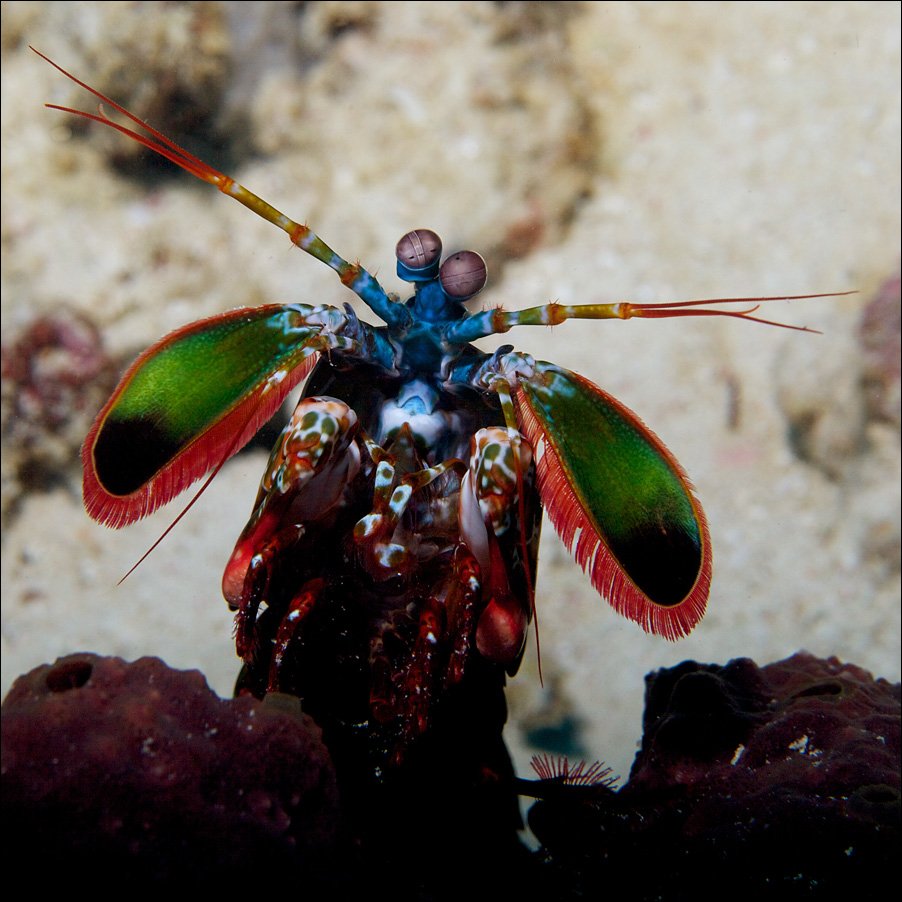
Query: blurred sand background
point(592, 152)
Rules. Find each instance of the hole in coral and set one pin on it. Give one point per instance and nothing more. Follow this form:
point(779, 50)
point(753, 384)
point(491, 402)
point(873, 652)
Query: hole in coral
point(69, 675)
point(879, 794)
point(827, 687)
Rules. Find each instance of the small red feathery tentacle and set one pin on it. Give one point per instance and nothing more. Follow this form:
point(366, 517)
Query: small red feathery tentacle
point(583, 774)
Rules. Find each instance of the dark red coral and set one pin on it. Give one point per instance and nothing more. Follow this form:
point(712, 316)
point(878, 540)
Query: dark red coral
point(125, 774)
point(782, 780)
point(136, 771)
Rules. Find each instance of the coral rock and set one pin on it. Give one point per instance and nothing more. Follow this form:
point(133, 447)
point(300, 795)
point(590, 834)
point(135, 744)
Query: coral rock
point(115, 770)
point(782, 780)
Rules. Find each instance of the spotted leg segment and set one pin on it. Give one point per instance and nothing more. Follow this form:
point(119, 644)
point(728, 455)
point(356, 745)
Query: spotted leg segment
point(482, 597)
point(316, 456)
point(298, 609)
point(385, 553)
point(278, 545)
point(499, 518)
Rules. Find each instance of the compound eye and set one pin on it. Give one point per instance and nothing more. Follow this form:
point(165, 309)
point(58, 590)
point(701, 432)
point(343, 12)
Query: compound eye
point(462, 275)
point(419, 249)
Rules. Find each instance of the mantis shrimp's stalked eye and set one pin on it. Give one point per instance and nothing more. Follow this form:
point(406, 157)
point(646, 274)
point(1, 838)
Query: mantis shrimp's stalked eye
point(462, 275)
point(418, 254)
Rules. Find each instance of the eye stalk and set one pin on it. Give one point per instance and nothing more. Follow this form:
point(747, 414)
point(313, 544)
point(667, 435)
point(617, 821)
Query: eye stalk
point(418, 253)
point(462, 275)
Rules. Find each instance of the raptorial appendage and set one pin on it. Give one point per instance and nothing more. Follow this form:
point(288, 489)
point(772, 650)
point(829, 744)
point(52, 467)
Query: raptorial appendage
point(417, 565)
